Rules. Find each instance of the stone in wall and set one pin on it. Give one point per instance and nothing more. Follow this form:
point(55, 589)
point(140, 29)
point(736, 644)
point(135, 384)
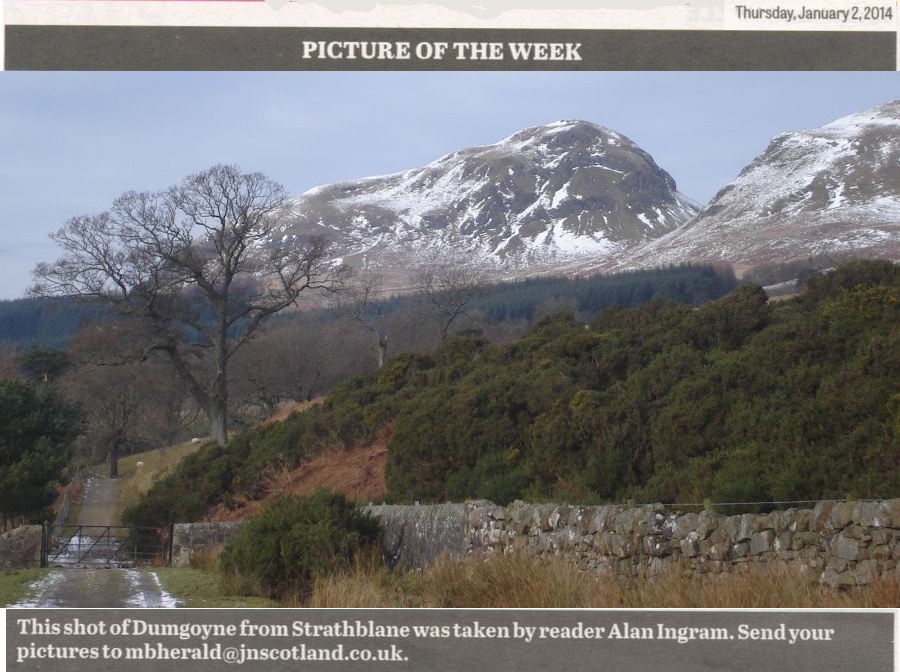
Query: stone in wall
point(21, 547)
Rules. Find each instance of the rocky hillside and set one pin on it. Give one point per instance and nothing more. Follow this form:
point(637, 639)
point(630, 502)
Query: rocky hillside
point(573, 197)
point(567, 190)
point(832, 190)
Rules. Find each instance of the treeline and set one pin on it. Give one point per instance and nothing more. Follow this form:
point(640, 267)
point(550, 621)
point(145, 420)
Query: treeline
point(51, 323)
point(46, 323)
point(736, 400)
point(533, 298)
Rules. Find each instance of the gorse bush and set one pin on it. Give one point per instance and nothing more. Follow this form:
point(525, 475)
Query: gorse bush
point(292, 541)
point(739, 399)
point(184, 495)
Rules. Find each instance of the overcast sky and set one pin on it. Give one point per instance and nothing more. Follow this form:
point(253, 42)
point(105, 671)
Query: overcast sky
point(72, 142)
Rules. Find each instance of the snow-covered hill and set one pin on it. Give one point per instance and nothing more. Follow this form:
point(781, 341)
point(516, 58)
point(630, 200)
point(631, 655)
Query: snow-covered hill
point(567, 190)
point(833, 190)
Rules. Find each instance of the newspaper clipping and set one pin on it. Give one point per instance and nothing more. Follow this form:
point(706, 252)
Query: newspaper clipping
point(103, 97)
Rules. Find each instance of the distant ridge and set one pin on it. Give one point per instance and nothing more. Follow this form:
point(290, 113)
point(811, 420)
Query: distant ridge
point(833, 190)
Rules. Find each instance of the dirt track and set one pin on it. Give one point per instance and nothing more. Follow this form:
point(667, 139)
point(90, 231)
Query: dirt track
point(98, 587)
point(97, 505)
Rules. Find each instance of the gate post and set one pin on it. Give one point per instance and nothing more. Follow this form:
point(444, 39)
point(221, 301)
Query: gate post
point(45, 545)
point(170, 543)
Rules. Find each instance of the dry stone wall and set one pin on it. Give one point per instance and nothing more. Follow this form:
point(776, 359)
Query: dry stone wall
point(844, 543)
point(192, 539)
point(841, 543)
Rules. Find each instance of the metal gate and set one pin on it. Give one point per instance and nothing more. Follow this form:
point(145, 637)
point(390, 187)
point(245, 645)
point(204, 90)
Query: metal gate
point(103, 545)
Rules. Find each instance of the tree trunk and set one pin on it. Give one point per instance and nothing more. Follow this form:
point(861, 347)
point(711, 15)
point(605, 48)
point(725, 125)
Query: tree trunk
point(218, 422)
point(217, 410)
point(218, 391)
point(382, 350)
point(113, 458)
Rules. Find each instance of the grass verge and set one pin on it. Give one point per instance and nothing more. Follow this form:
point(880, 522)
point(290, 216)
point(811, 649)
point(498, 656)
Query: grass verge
point(201, 586)
point(138, 472)
point(16, 585)
point(555, 583)
point(201, 589)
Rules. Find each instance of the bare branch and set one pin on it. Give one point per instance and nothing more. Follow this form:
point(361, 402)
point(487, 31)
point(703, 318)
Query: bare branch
point(452, 279)
point(196, 264)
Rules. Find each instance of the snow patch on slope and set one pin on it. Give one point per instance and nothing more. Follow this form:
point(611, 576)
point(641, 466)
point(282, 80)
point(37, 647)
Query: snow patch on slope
point(545, 192)
point(833, 189)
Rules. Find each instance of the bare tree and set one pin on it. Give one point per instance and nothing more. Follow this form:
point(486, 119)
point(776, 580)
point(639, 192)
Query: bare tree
point(295, 359)
point(365, 308)
point(276, 366)
point(452, 279)
point(199, 264)
point(127, 404)
point(112, 399)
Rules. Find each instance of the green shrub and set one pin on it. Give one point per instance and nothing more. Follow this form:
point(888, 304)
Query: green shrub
point(280, 551)
point(738, 399)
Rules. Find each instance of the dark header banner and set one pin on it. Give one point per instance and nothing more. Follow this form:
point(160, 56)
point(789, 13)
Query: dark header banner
point(450, 640)
point(42, 47)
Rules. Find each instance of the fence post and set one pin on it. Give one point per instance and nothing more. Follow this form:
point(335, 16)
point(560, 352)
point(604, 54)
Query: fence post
point(45, 543)
point(170, 542)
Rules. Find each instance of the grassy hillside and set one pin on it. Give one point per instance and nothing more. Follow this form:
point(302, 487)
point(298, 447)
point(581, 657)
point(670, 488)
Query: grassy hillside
point(138, 473)
point(737, 400)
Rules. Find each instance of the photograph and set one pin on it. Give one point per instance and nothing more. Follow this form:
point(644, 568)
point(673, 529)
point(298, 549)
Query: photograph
point(366, 362)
